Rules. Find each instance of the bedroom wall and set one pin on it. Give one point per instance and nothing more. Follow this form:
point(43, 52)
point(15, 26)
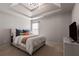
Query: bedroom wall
point(13, 21)
point(55, 26)
point(8, 21)
point(75, 13)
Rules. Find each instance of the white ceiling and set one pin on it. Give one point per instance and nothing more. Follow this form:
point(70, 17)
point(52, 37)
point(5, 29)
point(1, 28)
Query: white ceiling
point(43, 9)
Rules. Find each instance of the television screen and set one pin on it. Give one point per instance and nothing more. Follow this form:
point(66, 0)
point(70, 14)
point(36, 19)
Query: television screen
point(73, 31)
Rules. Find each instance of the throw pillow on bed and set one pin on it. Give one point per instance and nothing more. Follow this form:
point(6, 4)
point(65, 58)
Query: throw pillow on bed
point(26, 33)
point(22, 32)
point(18, 31)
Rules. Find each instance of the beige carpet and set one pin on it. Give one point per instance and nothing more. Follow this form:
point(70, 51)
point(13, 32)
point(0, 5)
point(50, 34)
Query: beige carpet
point(49, 49)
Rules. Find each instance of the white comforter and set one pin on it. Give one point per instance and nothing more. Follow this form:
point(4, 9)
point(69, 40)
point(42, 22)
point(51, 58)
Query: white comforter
point(31, 42)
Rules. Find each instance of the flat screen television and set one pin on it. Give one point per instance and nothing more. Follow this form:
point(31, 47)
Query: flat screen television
point(73, 31)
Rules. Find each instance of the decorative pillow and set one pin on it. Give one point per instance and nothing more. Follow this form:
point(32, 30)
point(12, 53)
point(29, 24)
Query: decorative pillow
point(26, 33)
point(18, 32)
point(22, 32)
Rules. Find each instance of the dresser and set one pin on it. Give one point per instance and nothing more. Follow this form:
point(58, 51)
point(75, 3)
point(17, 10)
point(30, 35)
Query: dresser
point(71, 48)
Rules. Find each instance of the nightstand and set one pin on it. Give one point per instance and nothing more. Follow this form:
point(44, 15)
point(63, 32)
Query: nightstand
point(11, 39)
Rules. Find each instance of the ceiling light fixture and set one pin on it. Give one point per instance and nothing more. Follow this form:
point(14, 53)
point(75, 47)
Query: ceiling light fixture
point(32, 6)
point(29, 6)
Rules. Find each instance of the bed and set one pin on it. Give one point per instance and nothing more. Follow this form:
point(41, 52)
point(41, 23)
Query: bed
point(28, 43)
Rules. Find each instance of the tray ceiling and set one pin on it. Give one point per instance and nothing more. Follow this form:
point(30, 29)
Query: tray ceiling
point(34, 10)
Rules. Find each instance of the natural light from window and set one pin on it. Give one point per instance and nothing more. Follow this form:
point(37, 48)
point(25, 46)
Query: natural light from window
point(35, 28)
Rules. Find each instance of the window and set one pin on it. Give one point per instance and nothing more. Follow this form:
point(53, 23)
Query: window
point(35, 27)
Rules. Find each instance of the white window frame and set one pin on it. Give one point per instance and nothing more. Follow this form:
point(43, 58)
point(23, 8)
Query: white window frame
point(33, 21)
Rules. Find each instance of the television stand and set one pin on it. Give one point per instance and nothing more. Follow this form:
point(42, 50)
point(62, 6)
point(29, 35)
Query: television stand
point(71, 48)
